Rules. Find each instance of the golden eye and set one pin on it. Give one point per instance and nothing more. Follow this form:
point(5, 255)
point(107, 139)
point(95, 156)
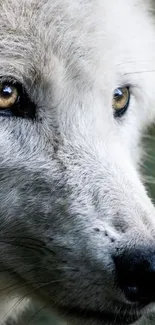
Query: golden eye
point(8, 95)
point(14, 99)
point(121, 99)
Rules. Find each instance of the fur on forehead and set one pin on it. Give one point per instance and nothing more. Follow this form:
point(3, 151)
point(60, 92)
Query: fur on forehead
point(35, 31)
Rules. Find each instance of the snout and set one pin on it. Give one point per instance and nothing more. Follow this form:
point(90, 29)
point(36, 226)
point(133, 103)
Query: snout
point(135, 274)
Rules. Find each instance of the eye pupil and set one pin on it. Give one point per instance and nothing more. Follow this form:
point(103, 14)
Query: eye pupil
point(118, 93)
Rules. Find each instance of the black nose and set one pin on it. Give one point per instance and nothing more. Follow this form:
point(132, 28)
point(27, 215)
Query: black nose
point(135, 274)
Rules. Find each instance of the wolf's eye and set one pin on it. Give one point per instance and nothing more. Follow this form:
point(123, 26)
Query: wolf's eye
point(121, 99)
point(8, 96)
point(14, 100)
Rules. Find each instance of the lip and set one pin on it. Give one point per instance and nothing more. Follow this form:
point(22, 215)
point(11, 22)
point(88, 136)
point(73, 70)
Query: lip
point(122, 318)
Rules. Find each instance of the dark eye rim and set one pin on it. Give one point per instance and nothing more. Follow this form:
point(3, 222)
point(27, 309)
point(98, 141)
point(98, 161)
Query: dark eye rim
point(23, 107)
point(121, 112)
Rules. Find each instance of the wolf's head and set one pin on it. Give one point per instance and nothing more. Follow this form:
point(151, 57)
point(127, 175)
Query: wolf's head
point(77, 90)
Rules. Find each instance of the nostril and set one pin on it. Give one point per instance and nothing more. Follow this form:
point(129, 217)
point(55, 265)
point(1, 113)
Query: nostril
point(135, 275)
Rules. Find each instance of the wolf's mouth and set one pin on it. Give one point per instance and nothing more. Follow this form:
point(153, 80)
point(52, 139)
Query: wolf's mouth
point(119, 318)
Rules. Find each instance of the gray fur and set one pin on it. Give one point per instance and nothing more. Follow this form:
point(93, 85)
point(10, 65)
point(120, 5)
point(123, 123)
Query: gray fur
point(70, 189)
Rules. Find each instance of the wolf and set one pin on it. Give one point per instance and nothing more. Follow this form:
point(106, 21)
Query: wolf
point(77, 94)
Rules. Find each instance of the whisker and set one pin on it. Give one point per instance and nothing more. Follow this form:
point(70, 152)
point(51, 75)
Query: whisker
point(132, 61)
point(36, 247)
point(16, 285)
point(137, 72)
point(32, 247)
point(27, 295)
point(39, 242)
point(29, 246)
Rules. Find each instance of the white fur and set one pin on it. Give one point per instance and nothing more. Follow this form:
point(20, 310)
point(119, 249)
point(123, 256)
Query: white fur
point(81, 51)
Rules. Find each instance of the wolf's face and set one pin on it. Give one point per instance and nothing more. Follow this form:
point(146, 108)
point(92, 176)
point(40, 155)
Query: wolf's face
point(77, 89)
